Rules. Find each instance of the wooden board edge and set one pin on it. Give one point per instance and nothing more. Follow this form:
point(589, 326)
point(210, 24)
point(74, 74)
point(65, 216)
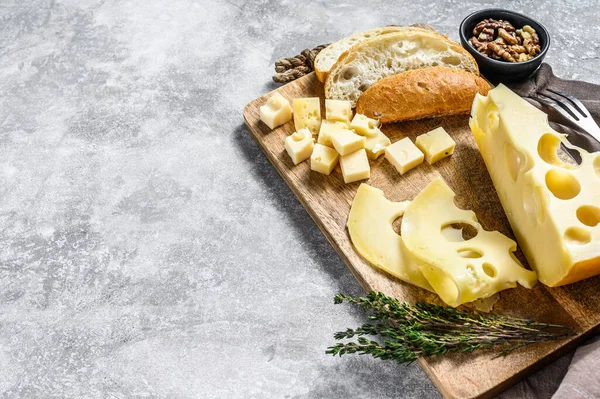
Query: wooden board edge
point(516, 378)
point(308, 209)
point(423, 363)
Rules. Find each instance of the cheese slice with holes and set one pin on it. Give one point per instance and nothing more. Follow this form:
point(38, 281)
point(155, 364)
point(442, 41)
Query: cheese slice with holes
point(552, 203)
point(370, 227)
point(459, 271)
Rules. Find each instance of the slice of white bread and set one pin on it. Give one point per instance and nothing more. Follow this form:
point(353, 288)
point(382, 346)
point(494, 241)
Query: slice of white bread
point(330, 54)
point(377, 57)
point(327, 57)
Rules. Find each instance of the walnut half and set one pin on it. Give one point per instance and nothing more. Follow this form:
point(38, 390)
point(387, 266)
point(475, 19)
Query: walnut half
point(500, 40)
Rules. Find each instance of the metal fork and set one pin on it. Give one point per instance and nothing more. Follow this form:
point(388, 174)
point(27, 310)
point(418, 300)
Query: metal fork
point(572, 110)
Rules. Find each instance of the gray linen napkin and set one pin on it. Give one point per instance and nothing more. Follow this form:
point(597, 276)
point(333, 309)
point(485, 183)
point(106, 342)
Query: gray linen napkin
point(572, 376)
point(583, 378)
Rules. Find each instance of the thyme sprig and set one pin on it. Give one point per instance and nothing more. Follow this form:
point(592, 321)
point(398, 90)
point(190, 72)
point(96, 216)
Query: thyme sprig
point(409, 332)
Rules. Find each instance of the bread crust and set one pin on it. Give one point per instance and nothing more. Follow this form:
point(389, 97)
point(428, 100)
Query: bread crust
point(363, 47)
point(321, 75)
point(421, 93)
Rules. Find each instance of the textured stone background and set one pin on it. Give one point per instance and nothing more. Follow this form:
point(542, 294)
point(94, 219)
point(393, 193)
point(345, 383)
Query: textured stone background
point(147, 247)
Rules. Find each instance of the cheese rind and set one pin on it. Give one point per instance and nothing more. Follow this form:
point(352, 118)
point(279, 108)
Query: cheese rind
point(404, 155)
point(459, 271)
point(328, 129)
point(338, 110)
point(370, 227)
point(355, 166)
point(323, 159)
point(346, 141)
point(436, 144)
point(307, 114)
point(299, 145)
point(363, 125)
point(376, 143)
point(552, 205)
point(276, 111)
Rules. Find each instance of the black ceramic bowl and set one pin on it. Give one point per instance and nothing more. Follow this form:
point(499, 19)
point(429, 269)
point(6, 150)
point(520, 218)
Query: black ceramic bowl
point(502, 71)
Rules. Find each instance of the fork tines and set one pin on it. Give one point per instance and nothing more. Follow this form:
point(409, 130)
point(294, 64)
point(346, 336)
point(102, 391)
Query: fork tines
point(571, 109)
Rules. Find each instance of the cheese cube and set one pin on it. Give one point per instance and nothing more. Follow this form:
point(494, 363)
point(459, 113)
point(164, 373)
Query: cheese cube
point(329, 128)
point(338, 110)
point(375, 144)
point(436, 144)
point(404, 155)
point(307, 114)
point(363, 125)
point(323, 159)
point(276, 111)
point(346, 141)
point(299, 145)
point(355, 166)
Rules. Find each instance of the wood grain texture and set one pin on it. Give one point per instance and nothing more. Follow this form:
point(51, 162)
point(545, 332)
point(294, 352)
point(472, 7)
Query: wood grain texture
point(327, 199)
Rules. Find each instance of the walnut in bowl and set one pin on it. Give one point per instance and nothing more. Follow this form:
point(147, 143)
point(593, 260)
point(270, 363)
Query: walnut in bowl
point(500, 40)
point(503, 52)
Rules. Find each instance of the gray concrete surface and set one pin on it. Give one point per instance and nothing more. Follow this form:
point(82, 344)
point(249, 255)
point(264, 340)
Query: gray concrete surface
point(147, 247)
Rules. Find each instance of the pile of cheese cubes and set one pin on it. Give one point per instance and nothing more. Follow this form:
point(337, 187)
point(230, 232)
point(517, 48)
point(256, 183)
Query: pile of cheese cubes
point(349, 141)
point(432, 146)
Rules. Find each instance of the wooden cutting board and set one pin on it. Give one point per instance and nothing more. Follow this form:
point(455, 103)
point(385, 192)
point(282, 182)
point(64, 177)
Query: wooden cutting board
point(327, 199)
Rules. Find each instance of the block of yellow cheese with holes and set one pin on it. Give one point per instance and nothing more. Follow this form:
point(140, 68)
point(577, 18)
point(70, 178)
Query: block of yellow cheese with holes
point(371, 232)
point(276, 111)
point(553, 204)
point(436, 144)
point(328, 129)
point(299, 145)
point(307, 114)
point(338, 110)
point(459, 271)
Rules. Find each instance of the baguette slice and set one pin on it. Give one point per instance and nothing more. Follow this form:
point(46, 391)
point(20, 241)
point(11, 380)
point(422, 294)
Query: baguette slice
point(330, 54)
point(377, 57)
point(421, 93)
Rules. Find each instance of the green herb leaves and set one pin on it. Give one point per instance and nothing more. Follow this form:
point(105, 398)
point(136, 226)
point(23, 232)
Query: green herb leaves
point(407, 332)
